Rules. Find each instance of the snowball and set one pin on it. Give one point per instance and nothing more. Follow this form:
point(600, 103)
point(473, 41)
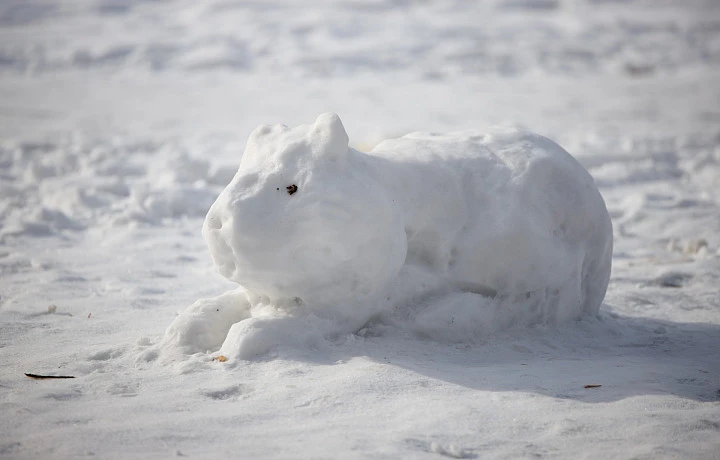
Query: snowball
point(455, 235)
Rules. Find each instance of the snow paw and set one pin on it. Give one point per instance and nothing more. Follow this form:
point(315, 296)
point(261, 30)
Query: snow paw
point(205, 324)
point(255, 337)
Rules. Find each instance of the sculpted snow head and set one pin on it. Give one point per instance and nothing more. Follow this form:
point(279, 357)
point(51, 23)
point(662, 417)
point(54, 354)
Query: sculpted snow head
point(303, 218)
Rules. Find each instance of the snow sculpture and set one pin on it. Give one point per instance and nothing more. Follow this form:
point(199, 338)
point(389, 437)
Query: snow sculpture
point(497, 229)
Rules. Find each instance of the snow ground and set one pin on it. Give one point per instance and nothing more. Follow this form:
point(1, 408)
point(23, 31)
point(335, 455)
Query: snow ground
point(120, 122)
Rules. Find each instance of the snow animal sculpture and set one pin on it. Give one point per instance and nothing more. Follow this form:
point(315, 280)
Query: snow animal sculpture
point(310, 225)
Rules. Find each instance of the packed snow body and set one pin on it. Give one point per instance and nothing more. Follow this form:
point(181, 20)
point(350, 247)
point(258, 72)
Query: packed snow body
point(506, 226)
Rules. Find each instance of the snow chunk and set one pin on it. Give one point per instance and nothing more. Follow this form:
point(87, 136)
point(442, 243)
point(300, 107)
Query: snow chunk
point(453, 236)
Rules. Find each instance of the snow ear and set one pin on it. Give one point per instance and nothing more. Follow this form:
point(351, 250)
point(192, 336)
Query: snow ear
point(262, 142)
point(258, 133)
point(262, 132)
point(329, 135)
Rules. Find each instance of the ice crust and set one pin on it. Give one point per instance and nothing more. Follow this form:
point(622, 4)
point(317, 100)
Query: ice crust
point(451, 236)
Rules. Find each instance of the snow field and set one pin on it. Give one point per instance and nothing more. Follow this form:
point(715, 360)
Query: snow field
point(122, 122)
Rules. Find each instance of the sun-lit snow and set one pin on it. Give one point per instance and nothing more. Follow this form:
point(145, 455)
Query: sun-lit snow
point(121, 123)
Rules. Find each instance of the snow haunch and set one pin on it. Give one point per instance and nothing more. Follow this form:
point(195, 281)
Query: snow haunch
point(491, 229)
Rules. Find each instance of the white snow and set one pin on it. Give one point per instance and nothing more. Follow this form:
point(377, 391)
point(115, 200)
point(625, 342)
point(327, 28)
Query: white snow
point(122, 121)
point(498, 229)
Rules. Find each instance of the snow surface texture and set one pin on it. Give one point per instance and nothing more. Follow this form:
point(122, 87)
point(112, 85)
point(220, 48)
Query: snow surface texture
point(497, 229)
point(122, 121)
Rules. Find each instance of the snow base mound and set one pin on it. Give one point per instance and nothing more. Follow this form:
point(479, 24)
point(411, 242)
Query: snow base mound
point(452, 237)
